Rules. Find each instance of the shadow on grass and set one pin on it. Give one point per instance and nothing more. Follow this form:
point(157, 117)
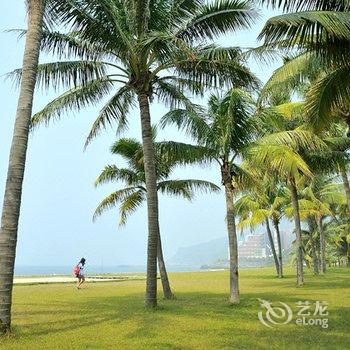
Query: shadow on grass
point(203, 308)
point(193, 315)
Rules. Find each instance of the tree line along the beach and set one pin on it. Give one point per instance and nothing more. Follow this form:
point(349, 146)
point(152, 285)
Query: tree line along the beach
point(281, 148)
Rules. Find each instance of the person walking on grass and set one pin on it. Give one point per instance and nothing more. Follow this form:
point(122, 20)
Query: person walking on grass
point(79, 272)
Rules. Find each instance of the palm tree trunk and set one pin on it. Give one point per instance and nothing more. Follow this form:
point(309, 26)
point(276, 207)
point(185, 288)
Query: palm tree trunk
point(272, 244)
point(322, 244)
point(17, 159)
point(346, 184)
point(313, 247)
point(345, 178)
point(163, 273)
point(233, 248)
point(297, 223)
point(319, 258)
point(152, 201)
point(280, 262)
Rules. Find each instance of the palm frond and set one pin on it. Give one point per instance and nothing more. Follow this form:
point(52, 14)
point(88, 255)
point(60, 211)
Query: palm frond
point(68, 45)
point(64, 73)
point(307, 5)
point(246, 204)
point(216, 18)
point(130, 204)
point(306, 28)
point(193, 123)
point(172, 96)
point(114, 111)
point(100, 22)
point(216, 73)
point(279, 158)
point(186, 188)
point(293, 73)
point(184, 85)
point(77, 98)
point(178, 153)
point(329, 93)
point(113, 199)
point(112, 173)
point(299, 138)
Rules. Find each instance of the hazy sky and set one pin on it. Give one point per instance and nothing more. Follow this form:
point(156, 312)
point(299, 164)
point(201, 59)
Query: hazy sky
point(59, 198)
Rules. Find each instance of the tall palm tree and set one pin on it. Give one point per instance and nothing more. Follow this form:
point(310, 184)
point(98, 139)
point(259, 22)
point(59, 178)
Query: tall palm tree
point(136, 51)
point(18, 152)
point(282, 147)
point(288, 164)
point(133, 194)
point(224, 129)
point(320, 30)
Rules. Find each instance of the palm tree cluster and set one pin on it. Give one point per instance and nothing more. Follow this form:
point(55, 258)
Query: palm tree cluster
point(282, 151)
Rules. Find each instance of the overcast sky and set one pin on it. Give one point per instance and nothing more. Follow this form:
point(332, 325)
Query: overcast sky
point(59, 198)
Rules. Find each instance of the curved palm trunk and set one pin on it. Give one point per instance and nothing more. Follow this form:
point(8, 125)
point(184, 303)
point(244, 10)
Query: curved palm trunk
point(296, 214)
point(162, 271)
point(279, 243)
point(18, 152)
point(152, 201)
point(315, 262)
point(272, 244)
point(233, 248)
point(322, 244)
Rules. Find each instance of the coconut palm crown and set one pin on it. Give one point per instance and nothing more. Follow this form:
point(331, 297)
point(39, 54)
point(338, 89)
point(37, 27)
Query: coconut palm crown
point(121, 49)
point(320, 31)
point(133, 195)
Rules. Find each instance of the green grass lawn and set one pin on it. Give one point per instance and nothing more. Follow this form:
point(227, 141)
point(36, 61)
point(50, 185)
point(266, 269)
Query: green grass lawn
point(111, 315)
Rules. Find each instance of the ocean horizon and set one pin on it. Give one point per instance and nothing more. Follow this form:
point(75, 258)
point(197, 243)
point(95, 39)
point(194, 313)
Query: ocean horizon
point(26, 270)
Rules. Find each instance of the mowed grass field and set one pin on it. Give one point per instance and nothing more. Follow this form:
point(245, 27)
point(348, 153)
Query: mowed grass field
point(112, 315)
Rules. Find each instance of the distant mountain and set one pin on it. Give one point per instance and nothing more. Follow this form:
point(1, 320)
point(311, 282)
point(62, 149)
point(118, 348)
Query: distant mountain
point(214, 254)
point(201, 254)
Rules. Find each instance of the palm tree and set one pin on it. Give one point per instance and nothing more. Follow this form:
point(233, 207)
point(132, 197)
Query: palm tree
point(18, 152)
point(337, 229)
point(133, 194)
point(224, 129)
point(319, 29)
point(287, 164)
point(259, 206)
point(284, 142)
point(312, 231)
point(139, 50)
point(317, 200)
point(252, 213)
point(338, 159)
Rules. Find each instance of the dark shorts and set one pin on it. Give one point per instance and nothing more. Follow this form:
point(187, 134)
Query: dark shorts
point(80, 276)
